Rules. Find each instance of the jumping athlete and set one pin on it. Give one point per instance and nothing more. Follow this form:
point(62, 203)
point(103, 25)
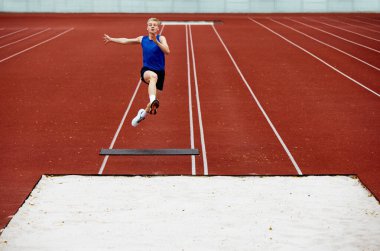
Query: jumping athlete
point(154, 48)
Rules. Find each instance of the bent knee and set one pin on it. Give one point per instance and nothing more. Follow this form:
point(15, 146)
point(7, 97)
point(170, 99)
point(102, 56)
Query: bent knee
point(153, 75)
point(149, 75)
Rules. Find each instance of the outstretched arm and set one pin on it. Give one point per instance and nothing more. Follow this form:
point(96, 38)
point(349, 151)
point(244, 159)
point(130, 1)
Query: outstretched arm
point(136, 40)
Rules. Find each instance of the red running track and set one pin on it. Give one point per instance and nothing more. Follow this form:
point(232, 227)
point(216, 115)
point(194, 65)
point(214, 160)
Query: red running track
point(265, 98)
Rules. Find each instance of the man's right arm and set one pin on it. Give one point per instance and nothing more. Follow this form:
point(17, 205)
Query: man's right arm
point(136, 40)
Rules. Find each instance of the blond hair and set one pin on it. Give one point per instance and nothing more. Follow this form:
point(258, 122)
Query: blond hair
point(153, 19)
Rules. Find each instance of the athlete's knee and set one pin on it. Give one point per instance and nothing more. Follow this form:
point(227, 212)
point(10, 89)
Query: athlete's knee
point(149, 76)
point(153, 76)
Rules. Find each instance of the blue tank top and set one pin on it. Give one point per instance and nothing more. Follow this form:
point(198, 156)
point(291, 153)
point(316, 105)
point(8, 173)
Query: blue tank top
point(153, 57)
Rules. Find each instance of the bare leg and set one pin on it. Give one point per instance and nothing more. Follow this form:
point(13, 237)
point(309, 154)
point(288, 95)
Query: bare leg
point(152, 90)
point(147, 109)
point(151, 78)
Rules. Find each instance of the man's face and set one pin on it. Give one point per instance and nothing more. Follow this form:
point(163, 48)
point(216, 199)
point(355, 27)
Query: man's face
point(152, 27)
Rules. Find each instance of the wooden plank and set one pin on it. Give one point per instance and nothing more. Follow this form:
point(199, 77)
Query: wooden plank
point(147, 152)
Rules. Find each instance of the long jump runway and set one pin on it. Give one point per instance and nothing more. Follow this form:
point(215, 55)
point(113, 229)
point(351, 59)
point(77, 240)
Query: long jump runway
point(256, 95)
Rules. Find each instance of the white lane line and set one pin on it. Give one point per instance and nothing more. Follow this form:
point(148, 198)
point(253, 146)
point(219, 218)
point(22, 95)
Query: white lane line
point(354, 25)
point(319, 59)
point(17, 31)
point(101, 170)
point(340, 28)
point(319, 41)
point(22, 39)
point(204, 153)
point(43, 42)
point(332, 34)
point(360, 21)
point(367, 18)
point(261, 108)
point(193, 168)
point(105, 160)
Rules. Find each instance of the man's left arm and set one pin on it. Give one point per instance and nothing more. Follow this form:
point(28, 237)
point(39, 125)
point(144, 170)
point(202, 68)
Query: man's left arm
point(163, 44)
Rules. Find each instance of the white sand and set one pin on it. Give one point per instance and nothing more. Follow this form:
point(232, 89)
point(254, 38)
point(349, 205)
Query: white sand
point(196, 213)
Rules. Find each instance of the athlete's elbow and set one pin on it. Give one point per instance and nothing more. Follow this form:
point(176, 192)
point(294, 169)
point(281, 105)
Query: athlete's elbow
point(167, 52)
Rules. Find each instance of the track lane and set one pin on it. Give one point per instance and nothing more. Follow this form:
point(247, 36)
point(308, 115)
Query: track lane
point(169, 128)
point(344, 32)
point(366, 22)
point(330, 125)
point(348, 52)
point(373, 32)
point(238, 138)
point(361, 47)
point(365, 75)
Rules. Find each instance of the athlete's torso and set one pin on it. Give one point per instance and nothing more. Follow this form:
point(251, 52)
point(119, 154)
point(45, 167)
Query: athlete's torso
point(153, 57)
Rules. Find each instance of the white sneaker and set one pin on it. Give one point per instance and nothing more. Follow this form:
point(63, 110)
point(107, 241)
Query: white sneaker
point(138, 118)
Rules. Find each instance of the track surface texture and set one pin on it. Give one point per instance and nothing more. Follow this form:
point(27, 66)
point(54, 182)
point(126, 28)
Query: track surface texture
point(256, 94)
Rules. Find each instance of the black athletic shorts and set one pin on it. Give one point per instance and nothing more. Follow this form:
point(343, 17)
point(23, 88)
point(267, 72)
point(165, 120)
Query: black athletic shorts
point(160, 75)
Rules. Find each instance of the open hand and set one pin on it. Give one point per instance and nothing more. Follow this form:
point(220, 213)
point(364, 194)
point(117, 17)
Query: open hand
point(106, 38)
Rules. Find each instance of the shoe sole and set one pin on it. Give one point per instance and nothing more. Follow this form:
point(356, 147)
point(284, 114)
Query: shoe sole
point(153, 107)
